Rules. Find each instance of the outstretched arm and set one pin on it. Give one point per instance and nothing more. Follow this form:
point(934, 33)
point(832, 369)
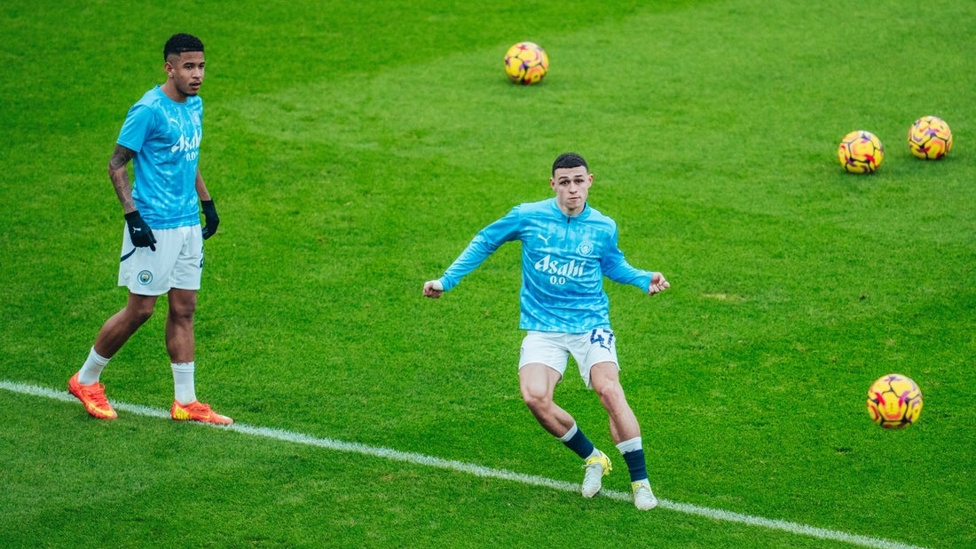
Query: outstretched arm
point(616, 268)
point(483, 245)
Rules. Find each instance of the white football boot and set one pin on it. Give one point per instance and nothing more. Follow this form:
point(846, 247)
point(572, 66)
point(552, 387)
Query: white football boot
point(596, 467)
point(643, 496)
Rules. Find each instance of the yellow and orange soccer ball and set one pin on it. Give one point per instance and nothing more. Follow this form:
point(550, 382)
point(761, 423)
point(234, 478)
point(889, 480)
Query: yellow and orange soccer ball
point(860, 152)
point(526, 63)
point(894, 401)
point(929, 138)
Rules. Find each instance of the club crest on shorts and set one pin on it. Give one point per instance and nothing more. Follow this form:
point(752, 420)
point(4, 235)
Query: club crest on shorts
point(144, 277)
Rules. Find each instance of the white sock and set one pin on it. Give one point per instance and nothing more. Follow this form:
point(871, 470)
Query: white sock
point(569, 434)
point(183, 382)
point(631, 445)
point(92, 368)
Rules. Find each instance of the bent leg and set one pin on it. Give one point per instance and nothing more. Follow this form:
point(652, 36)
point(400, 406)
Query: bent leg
point(624, 429)
point(537, 383)
point(605, 380)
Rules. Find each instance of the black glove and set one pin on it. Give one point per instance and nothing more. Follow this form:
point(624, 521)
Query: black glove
point(139, 232)
point(210, 214)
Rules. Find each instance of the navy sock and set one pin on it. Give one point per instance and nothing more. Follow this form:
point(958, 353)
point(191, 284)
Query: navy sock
point(636, 464)
point(580, 444)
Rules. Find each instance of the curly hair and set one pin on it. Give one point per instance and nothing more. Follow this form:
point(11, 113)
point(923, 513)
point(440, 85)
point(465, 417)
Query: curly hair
point(179, 43)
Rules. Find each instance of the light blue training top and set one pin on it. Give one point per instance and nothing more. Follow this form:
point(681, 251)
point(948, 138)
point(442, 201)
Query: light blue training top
point(564, 260)
point(165, 135)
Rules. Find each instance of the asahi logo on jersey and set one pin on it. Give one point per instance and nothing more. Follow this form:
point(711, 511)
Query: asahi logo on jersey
point(188, 146)
point(551, 266)
point(185, 144)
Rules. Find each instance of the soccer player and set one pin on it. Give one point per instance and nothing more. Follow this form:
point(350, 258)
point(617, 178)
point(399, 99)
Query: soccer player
point(567, 249)
point(162, 246)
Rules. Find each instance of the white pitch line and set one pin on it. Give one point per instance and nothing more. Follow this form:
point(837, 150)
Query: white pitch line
point(481, 471)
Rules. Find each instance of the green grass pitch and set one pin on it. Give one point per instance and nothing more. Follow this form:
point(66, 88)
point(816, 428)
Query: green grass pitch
point(353, 149)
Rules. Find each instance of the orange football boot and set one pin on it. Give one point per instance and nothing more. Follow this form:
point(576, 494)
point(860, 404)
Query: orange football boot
point(197, 411)
point(93, 397)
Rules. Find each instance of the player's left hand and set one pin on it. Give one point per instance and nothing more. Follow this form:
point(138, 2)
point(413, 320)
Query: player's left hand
point(210, 214)
point(658, 284)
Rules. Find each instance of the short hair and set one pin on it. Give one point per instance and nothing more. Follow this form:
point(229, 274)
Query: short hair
point(568, 160)
point(179, 43)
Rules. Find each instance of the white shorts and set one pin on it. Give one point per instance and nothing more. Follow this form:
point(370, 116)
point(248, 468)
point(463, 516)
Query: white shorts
point(553, 350)
point(176, 263)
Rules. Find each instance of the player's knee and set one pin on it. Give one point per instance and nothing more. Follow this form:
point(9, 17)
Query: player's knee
point(138, 314)
point(536, 400)
point(182, 313)
point(182, 309)
point(137, 310)
point(610, 394)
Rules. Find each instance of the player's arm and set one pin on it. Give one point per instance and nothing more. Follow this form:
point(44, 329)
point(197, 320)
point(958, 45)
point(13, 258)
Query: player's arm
point(202, 191)
point(473, 255)
point(649, 281)
point(139, 231)
point(207, 205)
point(483, 245)
point(616, 268)
point(119, 175)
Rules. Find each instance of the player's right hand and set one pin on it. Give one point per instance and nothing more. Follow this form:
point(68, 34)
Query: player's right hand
point(433, 289)
point(139, 232)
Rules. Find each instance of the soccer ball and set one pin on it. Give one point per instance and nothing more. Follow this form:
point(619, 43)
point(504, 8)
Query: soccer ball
point(930, 138)
point(894, 401)
point(526, 63)
point(860, 152)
